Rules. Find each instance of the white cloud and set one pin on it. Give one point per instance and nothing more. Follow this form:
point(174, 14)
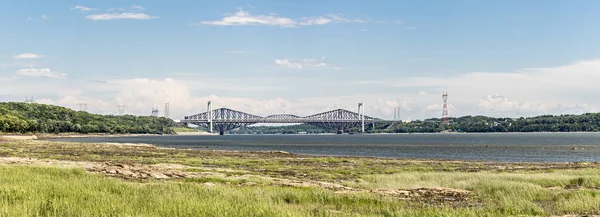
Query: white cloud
point(564, 89)
point(241, 18)
point(498, 105)
point(82, 8)
point(141, 94)
point(398, 22)
point(44, 17)
point(137, 7)
point(113, 16)
point(339, 19)
point(305, 63)
point(34, 72)
point(435, 110)
point(309, 21)
point(29, 18)
point(411, 27)
point(337, 68)
point(363, 30)
point(116, 9)
point(526, 92)
point(28, 56)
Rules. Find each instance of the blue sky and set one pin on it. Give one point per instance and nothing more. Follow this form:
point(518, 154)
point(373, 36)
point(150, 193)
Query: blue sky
point(500, 58)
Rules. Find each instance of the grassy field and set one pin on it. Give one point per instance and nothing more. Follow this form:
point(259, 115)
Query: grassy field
point(184, 130)
point(42, 178)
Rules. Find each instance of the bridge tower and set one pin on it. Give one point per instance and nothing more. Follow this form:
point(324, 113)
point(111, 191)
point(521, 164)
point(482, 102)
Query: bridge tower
point(224, 119)
point(361, 114)
point(210, 123)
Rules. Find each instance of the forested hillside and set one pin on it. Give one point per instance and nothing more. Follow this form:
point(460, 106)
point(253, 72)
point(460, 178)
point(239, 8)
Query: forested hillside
point(18, 117)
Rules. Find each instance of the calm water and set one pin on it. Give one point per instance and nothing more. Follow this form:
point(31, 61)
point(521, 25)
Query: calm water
point(525, 147)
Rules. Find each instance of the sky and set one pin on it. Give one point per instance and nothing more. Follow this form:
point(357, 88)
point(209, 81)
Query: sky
point(508, 58)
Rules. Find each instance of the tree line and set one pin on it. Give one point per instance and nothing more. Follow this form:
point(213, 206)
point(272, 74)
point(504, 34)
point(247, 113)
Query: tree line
point(289, 129)
point(589, 122)
point(16, 117)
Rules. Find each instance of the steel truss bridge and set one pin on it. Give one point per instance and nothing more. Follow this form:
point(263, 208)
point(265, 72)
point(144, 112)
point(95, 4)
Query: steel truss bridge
point(224, 119)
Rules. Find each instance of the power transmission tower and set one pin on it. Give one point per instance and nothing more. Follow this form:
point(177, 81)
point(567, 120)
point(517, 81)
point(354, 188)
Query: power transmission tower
point(121, 108)
point(154, 112)
point(167, 112)
point(29, 100)
point(397, 114)
point(445, 108)
point(82, 106)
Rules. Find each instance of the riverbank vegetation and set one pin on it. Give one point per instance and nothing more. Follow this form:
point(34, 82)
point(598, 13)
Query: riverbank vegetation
point(18, 117)
point(184, 130)
point(46, 178)
point(589, 122)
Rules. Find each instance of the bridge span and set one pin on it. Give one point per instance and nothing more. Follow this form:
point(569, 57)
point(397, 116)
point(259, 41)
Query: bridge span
point(224, 119)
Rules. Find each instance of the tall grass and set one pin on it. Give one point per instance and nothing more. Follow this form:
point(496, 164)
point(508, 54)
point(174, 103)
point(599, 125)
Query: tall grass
point(183, 129)
point(38, 191)
point(534, 193)
point(51, 191)
point(43, 191)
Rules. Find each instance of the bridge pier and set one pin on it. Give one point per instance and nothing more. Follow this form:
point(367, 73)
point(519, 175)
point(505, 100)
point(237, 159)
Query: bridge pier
point(340, 132)
point(222, 132)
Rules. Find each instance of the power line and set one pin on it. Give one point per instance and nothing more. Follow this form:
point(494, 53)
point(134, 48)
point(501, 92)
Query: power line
point(29, 100)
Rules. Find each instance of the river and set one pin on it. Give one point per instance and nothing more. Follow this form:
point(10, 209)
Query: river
point(507, 147)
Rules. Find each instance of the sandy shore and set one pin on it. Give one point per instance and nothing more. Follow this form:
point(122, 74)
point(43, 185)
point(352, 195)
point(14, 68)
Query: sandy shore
point(73, 135)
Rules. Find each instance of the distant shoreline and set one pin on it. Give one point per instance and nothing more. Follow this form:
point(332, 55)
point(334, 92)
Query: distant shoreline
point(33, 136)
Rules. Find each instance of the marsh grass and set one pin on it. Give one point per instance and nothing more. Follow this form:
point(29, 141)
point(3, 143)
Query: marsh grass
point(501, 189)
point(42, 191)
point(533, 193)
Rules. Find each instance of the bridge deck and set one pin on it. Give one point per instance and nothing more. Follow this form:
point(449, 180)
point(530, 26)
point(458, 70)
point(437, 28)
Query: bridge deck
point(284, 121)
